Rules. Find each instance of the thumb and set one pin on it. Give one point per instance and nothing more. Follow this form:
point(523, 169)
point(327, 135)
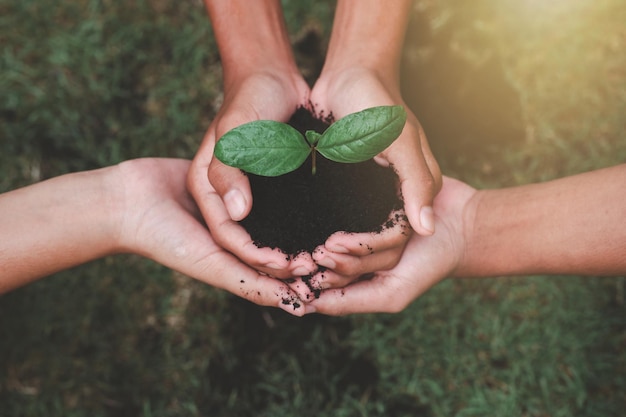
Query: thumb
point(230, 183)
point(420, 178)
point(233, 187)
point(418, 192)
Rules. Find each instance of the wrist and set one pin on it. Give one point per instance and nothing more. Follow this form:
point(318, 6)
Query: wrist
point(469, 263)
point(502, 234)
point(354, 65)
point(281, 66)
point(116, 202)
point(354, 79)
point(563, 226)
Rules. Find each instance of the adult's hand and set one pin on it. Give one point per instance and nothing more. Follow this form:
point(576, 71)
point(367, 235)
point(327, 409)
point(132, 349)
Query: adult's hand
point(222, 192)
point(345, 91)
point(548, 228)
point(349, 91)
point(160, 220)
point(426, 261)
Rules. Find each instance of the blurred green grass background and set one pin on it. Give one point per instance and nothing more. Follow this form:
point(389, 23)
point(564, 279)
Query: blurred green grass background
point(509, 92)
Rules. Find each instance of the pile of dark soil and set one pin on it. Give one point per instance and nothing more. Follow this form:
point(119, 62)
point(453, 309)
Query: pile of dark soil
point(297, 211)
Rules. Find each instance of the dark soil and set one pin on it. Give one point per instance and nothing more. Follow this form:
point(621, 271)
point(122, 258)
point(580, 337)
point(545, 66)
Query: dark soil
point(298, 211)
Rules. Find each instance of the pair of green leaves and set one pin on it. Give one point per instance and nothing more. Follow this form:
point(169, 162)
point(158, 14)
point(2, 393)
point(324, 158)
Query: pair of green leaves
point(269, 148)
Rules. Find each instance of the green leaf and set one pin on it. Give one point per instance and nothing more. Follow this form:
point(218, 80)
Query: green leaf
point(360, 136)
point(263, 147)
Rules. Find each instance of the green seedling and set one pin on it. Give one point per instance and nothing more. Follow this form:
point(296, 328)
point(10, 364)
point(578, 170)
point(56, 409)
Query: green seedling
point(270, 148)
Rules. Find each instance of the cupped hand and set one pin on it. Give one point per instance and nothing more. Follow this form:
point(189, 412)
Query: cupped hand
point(425, 261)
point(222, 192)
point(161, 221)
point(349, 256)
point(354, 89)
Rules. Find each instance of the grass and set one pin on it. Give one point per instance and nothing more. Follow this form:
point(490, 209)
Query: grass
point(509, 92)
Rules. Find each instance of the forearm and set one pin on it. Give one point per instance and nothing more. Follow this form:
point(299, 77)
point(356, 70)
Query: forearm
point(573, 225)
point(54, 225)
point(370, 34)
point(251, 36)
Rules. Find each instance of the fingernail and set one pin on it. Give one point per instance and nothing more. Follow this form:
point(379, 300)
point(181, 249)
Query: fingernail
point(235, 204)
point(337, 249)
point(328, 263)
point(274, 265)
point(427, 219)
point(301, 271)
point(323, 285)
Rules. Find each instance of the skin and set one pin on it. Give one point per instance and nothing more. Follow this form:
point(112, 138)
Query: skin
point(566, 226)
point(362, 69)
point(262, 81)
point(140, 207)
point(573, 225)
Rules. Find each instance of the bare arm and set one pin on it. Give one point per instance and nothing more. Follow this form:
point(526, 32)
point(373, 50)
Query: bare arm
point(251, 37)
point(573, 225)
point(369, 34)
point(44, 227)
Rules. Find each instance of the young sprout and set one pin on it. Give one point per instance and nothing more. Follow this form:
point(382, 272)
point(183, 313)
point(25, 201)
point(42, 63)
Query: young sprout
point(270, 148)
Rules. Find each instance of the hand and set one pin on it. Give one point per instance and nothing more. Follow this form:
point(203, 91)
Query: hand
point(345, 257)
point(425, 261)
point(349, 256)
point(160, 221)
point(222, 192)
point(349, 90)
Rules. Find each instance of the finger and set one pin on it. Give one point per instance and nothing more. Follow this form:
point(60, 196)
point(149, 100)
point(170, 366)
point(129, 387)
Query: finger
point(378, 294)
point(230, 183)
point(418, 184)
point(384, 293)
point(305, 288)
point(263, 290)
point(426, 264)
point(395, 232)
point(343, 269)
point(229, 234)
point(234, 238)
point(189, 249)
point(302, 264)
point(233, 187)
point(327, 279)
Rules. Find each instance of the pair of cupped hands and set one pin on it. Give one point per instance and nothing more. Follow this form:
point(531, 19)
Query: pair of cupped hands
point(399, 266)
